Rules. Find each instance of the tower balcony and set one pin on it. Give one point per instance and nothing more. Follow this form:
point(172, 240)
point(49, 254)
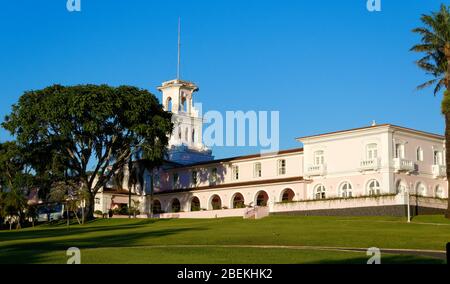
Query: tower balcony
point(369, 165)
point(316, 170)
point(403, 165)
point(439, 171)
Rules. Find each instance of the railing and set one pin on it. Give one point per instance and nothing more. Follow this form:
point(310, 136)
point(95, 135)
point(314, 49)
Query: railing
point(316, 170)
point(403, 165)
point(370, 164)
point(439, 171)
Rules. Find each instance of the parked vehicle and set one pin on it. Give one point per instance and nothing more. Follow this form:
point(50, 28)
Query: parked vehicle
point(50, 212)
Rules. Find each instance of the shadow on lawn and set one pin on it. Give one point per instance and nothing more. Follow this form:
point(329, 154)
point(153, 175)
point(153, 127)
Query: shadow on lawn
point(118, 235)
point(60, 229)
point(387, 259)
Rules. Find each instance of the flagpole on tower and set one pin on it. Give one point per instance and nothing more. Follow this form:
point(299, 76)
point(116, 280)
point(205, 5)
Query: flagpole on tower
point(179, 48)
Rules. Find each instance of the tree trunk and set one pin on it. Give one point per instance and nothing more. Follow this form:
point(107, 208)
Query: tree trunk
point(89, 214)
point(447, 128)
point(447, 159)
point(129, 202)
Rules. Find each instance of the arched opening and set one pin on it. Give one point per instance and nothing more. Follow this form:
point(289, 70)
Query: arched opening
point(195, 204)
point(216, 202)
point(184, 103)
point(400, 187)
point(238, 200)
point(421, 189)
point(175, 205)
point(373, 188)
point(156, 207)
point(345, 190)
point(168, 104)
point(262, 198)
point(287, 195)
point(193, 136)
point(320, 192)
point(439, 192)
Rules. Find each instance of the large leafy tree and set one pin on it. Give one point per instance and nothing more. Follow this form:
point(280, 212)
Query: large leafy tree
point(435, 45)
point(92, 130)
point(11, 167)
point(11, 163)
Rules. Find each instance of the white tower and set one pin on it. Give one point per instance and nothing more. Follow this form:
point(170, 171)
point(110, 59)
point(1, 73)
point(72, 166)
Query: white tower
point(186, 143)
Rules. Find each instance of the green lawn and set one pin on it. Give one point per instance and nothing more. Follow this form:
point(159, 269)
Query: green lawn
point(230, 240)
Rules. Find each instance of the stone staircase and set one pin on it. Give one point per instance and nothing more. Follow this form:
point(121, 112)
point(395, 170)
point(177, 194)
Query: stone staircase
point(258, 212)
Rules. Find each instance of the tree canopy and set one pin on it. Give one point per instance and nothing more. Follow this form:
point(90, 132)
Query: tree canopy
point(435, 44)
point(86, 133)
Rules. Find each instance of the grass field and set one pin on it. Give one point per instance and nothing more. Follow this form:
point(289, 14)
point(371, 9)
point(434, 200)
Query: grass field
point(231, 240)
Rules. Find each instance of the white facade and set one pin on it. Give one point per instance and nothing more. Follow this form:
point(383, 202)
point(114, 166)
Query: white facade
point(369, 170)
point(186, 143)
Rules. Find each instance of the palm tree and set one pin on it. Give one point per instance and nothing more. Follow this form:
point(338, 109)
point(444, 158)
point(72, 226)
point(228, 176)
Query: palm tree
point(435, 44)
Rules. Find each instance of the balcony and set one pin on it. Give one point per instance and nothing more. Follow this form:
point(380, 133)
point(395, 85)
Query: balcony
point(439, 171)
point(403, 165)
point(369, 165)
point(316, 170)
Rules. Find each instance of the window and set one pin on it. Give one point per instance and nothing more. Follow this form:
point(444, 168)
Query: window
point(372, 151)
point(439, 192)
point(176, 180)
point(281, 167)
point(179, 133)
point(97, 201)
point(373, 188)
point(438, 158)
point(213, 177)
point(235, 172)
point(399, 151)
point(193, 135)
point(400, 187)
point(194, 178)
point(238, 201)
point(319, 158)
point(216, 203)
point(195, 204)
point(346, 190)
point(156, 207)
point(421, 189)
point(257, 170)
point(288, 195)
point(319, 192)
point(419, 154)
point(156, 180)
point(175, 206)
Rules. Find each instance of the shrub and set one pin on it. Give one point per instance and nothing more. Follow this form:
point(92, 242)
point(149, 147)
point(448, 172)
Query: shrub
point(98, 212)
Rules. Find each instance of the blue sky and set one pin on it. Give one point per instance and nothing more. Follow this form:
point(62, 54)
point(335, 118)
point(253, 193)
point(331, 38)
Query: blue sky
point(325, 65)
